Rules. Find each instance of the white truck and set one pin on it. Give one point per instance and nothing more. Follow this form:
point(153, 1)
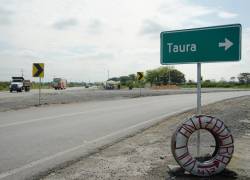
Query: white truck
point(59, 83)
point(19, 84)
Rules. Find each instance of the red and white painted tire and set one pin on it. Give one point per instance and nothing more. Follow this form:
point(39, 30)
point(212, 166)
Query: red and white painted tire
point(223, 150)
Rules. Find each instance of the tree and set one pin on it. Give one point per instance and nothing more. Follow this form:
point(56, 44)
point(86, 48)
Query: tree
point(124, 80)
point(114, 79)
point(244, 78)
point(232, 79)
point(132, 77)
point(222, 80)
point(165, 74)
point(177, 76)
point(161, 76)
point(151, 76)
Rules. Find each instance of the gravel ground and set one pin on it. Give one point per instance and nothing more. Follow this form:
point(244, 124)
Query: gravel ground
point(13, 101)
point(147, 154)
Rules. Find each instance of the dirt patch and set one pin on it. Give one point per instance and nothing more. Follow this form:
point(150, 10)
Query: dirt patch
point(147, 154)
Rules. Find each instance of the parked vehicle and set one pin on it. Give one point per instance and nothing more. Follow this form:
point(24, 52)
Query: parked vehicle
point(19, 84)
point(59, 83)
point(112, 85)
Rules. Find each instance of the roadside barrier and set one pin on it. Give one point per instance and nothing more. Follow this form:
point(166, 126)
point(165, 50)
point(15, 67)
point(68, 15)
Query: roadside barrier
point(223, 150)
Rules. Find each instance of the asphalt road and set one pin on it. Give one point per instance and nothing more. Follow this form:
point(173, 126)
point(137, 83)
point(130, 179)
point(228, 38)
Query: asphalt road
point(14, 101)
point(7, 94)
point(36, 139)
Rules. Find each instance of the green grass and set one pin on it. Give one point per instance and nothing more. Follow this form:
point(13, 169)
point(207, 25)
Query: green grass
point(43, 85)
point(4, 86)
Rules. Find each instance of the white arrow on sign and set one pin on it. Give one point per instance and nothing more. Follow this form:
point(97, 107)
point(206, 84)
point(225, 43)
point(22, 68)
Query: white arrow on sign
point(227, 44)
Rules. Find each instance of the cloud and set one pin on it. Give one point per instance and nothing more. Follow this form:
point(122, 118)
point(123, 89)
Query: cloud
point(92, 36)
point(246, 44)
point(4, 46)
point(184, 7)
point(227, 15)
point(175, 15)
point(65, 23)
point(151, 27)
point(101, 56)
point(95, 26)
point(181, 14)
point(5, 16)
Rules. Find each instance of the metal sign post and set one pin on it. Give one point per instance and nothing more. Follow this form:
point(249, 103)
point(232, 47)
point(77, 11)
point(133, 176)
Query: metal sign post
point(140, 77)
point(38, 71)
point(39, 91)
point(140, 87)
point(198, 103)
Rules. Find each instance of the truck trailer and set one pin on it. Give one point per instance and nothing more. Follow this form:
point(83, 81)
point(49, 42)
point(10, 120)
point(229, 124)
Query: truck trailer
point(110, 85)
point(19, 84)
point(59, 83)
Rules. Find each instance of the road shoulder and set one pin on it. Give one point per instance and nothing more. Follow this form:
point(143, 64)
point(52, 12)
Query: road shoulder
point(147, 154)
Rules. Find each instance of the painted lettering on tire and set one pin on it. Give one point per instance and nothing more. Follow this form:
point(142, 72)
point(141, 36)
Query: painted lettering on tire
point(223, 150)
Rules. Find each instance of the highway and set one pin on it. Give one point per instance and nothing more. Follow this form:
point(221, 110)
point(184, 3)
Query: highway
point(7, 94)
point(34, 140)
point(10, 101)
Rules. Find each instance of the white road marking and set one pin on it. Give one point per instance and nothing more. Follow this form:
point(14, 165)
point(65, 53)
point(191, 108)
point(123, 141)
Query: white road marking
point(114, 134)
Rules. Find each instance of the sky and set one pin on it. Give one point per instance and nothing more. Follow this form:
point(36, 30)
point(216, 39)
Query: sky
point(87, 40)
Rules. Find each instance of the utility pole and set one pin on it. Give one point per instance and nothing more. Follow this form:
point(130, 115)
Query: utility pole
point(22, 72)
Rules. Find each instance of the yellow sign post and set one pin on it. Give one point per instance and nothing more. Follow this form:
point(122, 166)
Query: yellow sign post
point(140, 77)
point(38, 71)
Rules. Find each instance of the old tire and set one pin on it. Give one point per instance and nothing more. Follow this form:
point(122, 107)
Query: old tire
point(223, 150)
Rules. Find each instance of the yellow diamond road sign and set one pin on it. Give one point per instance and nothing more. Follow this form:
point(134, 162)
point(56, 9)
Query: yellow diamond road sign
point(140, 76)
point(38, 70)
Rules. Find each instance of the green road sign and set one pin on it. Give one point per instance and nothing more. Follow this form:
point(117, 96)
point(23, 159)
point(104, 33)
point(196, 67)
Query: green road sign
point(210, 44)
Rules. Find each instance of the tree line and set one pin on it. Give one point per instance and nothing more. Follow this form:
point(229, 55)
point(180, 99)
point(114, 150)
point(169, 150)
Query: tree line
point(169, 75)
point(159, 76)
